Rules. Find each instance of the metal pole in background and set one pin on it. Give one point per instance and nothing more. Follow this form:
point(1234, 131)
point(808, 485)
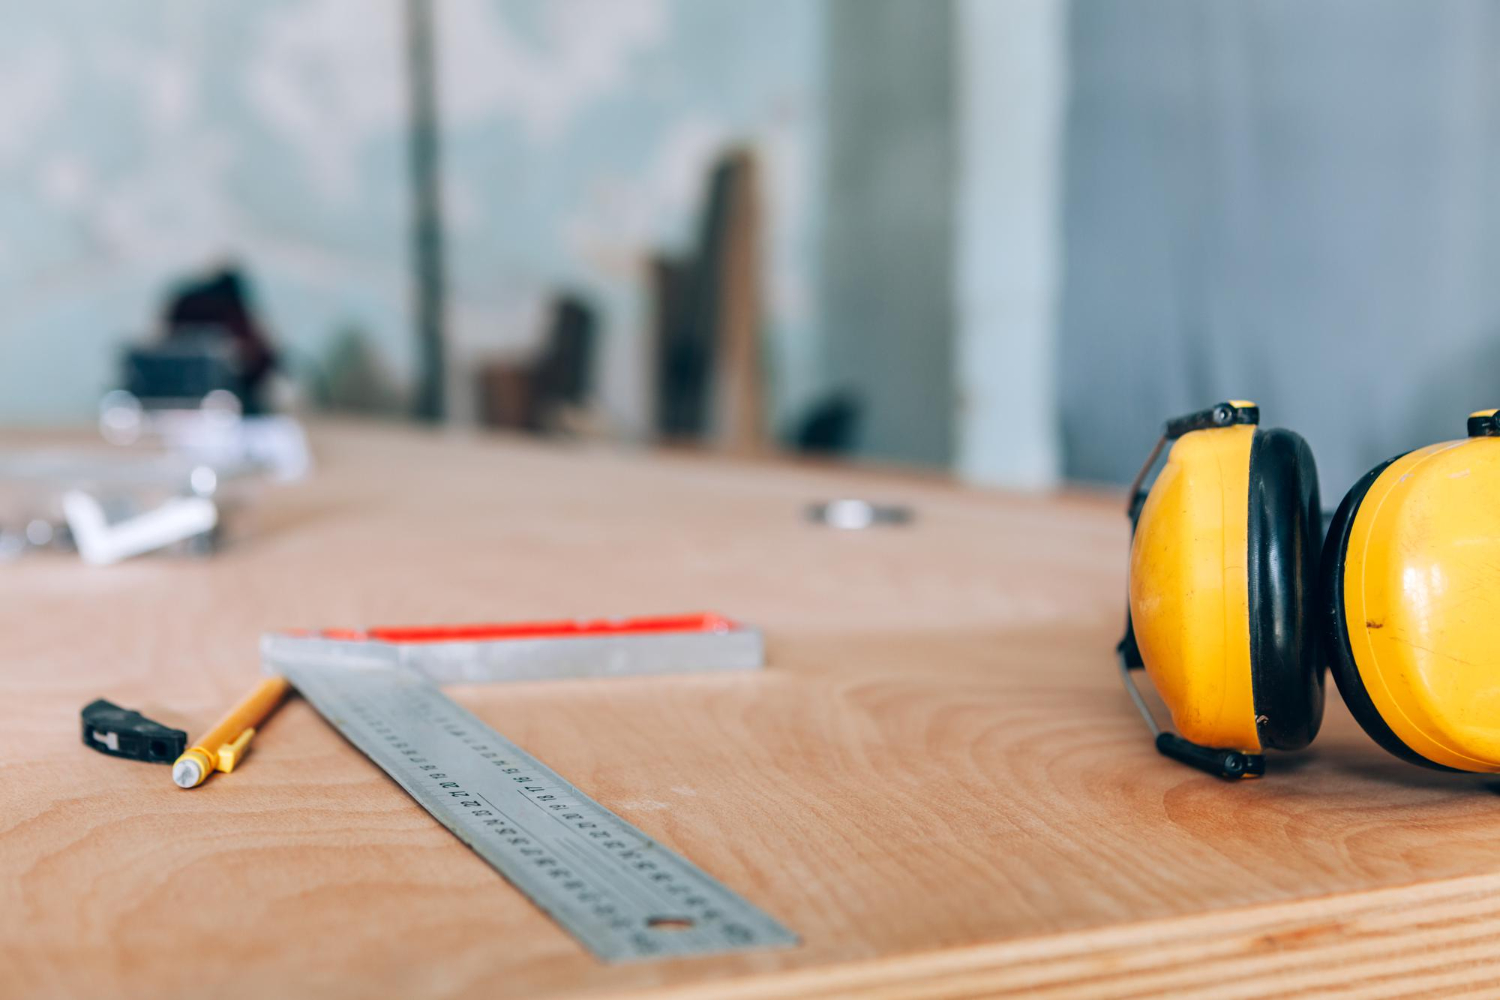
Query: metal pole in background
point(427, 212)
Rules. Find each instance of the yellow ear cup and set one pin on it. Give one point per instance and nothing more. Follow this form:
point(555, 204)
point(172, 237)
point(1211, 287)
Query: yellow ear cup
point(1189, 591)
point(1412, 580)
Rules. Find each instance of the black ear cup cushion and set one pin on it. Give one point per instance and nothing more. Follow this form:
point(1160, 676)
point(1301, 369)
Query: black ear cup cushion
point(1336, 626)
point(1287, 674)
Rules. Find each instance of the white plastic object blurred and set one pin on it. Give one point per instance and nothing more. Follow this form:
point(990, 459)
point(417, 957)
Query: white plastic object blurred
point(101, 543)
point(216, 432)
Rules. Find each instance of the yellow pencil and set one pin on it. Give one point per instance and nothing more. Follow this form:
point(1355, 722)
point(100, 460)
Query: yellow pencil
point(223, 746)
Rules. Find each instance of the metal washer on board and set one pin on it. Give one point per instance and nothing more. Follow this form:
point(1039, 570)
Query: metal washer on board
point(856, 515)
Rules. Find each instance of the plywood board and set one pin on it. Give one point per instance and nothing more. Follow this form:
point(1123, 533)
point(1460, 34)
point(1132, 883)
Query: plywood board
point(937, 781)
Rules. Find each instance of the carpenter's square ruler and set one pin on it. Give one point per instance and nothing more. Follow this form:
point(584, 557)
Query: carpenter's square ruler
point(622, 895)
point(477, 654)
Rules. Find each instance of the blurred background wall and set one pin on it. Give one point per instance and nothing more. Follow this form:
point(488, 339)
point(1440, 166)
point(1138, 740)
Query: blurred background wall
point(887, 316)
point(142, 139)
point(139, 140)
point(1018, 233)
point(1295, 202)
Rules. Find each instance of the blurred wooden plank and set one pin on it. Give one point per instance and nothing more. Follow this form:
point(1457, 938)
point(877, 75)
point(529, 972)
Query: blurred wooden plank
point(709, 381)
point(739, 393)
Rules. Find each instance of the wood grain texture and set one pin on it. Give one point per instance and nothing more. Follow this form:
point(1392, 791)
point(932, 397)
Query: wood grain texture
point(1438, 938)
point(937, 781)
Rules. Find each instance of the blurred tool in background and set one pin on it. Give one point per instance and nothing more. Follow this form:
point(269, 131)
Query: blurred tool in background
point(211, 320)
point(546, 395)
point(188, 421)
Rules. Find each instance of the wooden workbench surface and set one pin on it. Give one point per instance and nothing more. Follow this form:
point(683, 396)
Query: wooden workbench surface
point(937, 781)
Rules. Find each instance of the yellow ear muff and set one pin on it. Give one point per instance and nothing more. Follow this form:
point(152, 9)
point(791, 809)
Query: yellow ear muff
point(1223, 574)
point(1411, 581)
point(1189, 588)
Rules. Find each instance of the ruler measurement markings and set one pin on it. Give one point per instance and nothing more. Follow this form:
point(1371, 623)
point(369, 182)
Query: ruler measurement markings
point(405, 763)
point(655, 899)
point(628, 900)
point(656, 905)
point(690, 929)
point(649, 903)
point(618, 891)
point(696, 906)
point(668, 880)
point(591, 899)
point(528, 843)
point(696, 927)
point(669, 870)
point(538, 792)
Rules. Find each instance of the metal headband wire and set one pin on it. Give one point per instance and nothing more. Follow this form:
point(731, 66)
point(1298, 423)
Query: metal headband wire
point(1137, 697)
point(1133, 511)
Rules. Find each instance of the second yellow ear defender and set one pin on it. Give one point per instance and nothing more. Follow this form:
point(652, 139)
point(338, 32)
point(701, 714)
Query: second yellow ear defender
point(1223, 590)
point(1411, 592)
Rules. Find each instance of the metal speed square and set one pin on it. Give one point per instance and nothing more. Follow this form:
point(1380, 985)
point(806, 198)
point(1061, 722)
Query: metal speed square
point(477, 654)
